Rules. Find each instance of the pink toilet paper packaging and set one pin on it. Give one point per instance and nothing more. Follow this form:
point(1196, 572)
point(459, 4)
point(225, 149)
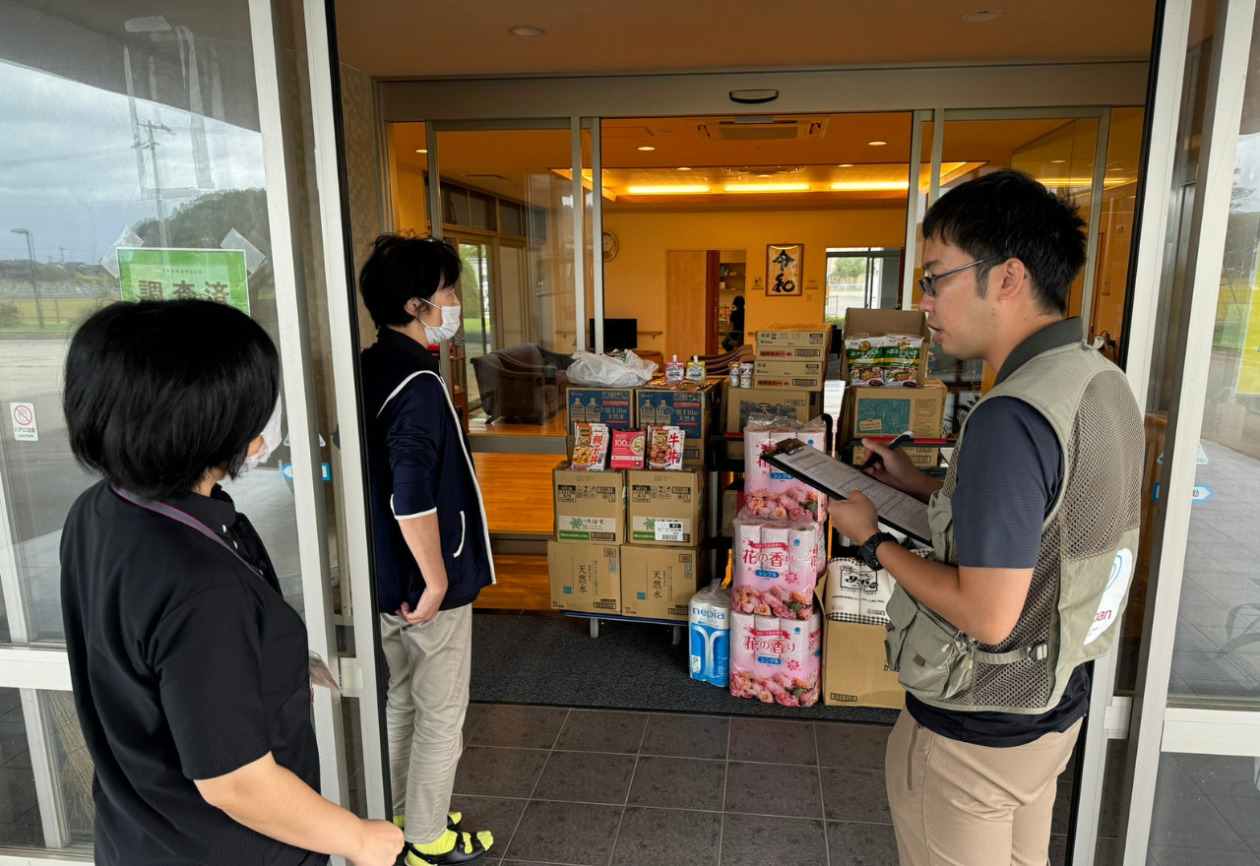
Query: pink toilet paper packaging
point(776, 567)
point(776, 660)
point(770, 492)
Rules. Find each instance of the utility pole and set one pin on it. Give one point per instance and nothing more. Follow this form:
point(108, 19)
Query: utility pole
point(30, 255)
point(151, 145)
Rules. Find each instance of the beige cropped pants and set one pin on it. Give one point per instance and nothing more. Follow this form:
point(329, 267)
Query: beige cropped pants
point(958, 804)
point(429, 666)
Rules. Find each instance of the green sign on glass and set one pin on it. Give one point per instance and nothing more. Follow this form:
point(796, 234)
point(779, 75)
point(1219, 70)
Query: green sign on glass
point(168, 275)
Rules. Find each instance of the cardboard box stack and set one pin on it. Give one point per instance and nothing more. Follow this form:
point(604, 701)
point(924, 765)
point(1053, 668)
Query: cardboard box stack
point(584, 555)
point(691, 406)
point(789, 369)
point(884, 366)
point(629, 512)
point(792, 356)
point(739, 403)
point(855, 665)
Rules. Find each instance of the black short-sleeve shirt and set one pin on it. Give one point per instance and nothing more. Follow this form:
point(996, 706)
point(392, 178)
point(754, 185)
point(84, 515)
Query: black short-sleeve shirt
point(187, 664)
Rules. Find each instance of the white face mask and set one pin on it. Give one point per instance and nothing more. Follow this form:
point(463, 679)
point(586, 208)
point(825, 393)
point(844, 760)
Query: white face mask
point(451, 322)
point(271, 439)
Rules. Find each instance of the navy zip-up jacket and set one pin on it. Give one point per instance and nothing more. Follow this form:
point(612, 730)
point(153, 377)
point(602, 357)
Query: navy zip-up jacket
point(418, 464)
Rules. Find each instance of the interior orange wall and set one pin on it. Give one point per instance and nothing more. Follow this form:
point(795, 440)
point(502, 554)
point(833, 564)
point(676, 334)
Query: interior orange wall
point(634, 282)
point(408, 200)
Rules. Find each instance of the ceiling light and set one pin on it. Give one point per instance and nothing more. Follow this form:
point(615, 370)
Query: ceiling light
point(766, 187)
point(421, 150)
point(981, 15)
point(876, 143)
point(1057, 161)
point(684, 168)
point(527, 31)
point(871, 186)
point(845, 165)
point(647, 147)
point(677, 189)
point(1082, 182)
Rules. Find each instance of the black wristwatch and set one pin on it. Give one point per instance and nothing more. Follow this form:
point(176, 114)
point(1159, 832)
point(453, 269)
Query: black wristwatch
point(867, 550)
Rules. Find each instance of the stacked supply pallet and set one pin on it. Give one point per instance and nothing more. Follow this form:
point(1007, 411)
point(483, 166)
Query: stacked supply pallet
point(629, 523)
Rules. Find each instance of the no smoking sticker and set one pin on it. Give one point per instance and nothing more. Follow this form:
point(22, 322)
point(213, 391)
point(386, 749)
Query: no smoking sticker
point(24, 427)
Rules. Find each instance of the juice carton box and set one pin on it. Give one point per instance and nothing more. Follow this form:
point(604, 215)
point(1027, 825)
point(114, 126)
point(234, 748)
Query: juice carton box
point(776, 567)
point(775, 660)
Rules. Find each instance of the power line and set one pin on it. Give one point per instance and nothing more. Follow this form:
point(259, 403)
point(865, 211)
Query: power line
point(64, 156)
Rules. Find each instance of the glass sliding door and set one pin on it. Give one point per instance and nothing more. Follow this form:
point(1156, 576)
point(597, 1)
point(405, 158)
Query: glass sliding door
point(170, 135)
point(1193, 792)
point(1058, 148)
point(504, 195)
point(507, 203)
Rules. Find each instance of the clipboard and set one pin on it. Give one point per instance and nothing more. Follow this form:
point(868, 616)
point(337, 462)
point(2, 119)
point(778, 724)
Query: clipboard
point(899, 510)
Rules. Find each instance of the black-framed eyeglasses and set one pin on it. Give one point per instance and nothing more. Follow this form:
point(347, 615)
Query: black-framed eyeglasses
point(928, 283)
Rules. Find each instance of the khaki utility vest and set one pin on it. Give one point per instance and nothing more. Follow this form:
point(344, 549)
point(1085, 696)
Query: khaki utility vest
point(1088, 547)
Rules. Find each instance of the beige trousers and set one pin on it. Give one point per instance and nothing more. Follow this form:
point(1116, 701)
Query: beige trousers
point(429, 666)
point(958, 804)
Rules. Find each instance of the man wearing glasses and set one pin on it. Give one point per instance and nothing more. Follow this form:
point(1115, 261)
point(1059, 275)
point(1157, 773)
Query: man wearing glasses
point(1034, 533)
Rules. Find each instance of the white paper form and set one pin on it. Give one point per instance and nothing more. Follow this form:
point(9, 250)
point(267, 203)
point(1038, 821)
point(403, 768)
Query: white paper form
point(898, 510)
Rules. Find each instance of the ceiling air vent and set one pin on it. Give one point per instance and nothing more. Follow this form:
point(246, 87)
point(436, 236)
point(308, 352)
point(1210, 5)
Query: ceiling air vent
point(763, 128)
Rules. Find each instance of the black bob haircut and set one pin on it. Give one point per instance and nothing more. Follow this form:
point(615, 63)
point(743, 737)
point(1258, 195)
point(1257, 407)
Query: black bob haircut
point(159, 392)
point(402, 267)
point(1009, 215)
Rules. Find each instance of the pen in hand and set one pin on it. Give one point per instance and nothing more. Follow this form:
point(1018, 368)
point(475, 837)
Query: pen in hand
point(874, 458)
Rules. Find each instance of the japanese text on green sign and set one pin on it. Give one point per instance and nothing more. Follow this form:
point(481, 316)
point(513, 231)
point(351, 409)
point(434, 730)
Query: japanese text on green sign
point(168, 275)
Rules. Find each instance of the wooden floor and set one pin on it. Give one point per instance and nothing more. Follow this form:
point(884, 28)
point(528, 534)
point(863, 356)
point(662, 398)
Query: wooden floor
point(522, 584)
point(517, 491)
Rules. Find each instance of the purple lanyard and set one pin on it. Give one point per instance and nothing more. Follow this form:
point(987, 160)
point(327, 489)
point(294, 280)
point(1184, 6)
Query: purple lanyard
point(180, 517)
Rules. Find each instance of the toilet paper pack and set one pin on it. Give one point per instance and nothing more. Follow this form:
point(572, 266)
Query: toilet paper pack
point(771, 493)
point(858, 593)
point(776, 566)
point(775, 660)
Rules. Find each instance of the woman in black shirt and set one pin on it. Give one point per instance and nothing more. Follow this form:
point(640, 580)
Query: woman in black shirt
point(190, 671)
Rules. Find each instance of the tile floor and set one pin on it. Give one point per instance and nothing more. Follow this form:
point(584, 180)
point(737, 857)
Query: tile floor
point(598, 787)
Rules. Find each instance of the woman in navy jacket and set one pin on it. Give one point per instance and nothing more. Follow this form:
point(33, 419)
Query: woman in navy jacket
point(429, 531)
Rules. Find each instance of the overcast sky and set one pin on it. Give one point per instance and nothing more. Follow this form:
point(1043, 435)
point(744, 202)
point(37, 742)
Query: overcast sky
point(68, 170)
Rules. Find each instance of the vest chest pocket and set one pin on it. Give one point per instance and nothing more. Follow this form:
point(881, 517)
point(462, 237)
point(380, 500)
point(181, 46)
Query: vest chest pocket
point(932, 658)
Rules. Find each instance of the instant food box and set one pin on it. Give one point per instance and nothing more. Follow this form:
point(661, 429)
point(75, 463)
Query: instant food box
point(590, 506)
point(789, 374)
point(665, 508)
point(794, 342)
point(880, 323)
